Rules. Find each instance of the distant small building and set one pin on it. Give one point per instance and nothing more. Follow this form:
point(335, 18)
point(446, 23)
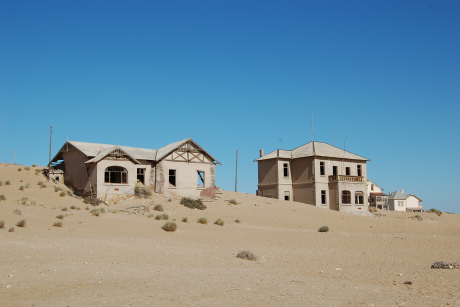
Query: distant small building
point(376, 196)
point(183, 168)
point(400, 201)
point(315, 173)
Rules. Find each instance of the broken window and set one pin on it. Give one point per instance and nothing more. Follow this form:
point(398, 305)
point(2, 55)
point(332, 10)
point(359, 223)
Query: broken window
point(323, 197)
point(115, 174)
point(359, 198)
point(372, 187)
point(359, 170)
point(200, 179)
point(346, 197)
point(172, 177)
point(334, 170)
point(322, 169)
point(286, 195)
point(286, 169)
point(347, 171)
point(141, 175)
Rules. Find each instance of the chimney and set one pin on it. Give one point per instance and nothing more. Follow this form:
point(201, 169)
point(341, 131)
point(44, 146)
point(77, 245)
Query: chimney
point(402, 191)
point(277, 153)
point(261, 152)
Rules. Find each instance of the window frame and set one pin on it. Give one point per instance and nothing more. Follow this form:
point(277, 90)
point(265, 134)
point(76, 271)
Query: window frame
point(322, 168)
point(287, 195)
point(286, 170)
point(110, 176)
point(323, 197)
point(359, 170)
point(347, 171)
point(335, 171)
point(174, 176)
point(346, 195)
point(359, 198)
point(203, 178)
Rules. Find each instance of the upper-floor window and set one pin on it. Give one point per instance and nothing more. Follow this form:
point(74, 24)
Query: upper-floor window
point(334, 170)
point(322, 168)
point(347, 171)
point(286, 169)
point(346, 197)
point(115, 174)
point(360, 173)
point(372, 187)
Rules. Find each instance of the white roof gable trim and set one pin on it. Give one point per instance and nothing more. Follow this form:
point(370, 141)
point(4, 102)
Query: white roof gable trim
point(114, 150)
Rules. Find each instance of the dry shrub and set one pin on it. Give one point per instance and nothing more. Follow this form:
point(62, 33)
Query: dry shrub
point(27, 168)
point(62, 194)
point(21, 223)
point(73, 207)
point(323, 229)
point(158, 217)
point(57, 224)
point(372, 209)
point(141, 191)
point(151, 215)
point(40, 182)
point(7, 182)
point(2, 224)
point(43, 186)
point(418, 217)
point(185, 219)
point(233, 202)
point(169, 226)
point(219, 222)
point(21, 188)
point(27, 186)
point(33, 203)
point(164, 216)
point(247, 255)
point(158, 208)
point(24, 200)
point(11, 229)
point(2, 197)
point(192, 203)
point(64, 209)
point(92, 200)
point(60, 216)
point(238, 221)
point(19, 169)
point(34, 165)
point(169, 200)
point(202, 220)
point(445, 265)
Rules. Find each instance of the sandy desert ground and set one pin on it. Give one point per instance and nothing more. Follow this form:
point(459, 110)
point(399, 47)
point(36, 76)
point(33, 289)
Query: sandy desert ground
point(122, 259)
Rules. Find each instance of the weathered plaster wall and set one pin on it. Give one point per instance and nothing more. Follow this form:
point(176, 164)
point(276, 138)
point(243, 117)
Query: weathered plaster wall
point(268, 178)
point(76, 177)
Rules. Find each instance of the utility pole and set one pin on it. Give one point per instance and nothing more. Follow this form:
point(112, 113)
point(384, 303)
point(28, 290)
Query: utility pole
point(51, 137)
point(236, 174)
point(312, 127)
point(15, 156)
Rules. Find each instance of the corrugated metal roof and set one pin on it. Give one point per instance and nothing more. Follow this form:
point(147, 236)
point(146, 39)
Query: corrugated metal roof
point(398, 195)
point(314, 149)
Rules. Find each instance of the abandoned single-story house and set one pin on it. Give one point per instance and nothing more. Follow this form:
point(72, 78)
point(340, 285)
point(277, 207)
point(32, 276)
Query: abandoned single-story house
point(183, 168)
point(376, 196)
point(315, 173)
point(400, 201)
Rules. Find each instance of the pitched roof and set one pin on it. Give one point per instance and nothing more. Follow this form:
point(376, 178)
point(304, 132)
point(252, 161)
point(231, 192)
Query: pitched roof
point(398, 195)
point(103, 153)
point(313, 149)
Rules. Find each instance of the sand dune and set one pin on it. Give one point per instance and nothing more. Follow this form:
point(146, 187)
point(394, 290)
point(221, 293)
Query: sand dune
point(122, 259)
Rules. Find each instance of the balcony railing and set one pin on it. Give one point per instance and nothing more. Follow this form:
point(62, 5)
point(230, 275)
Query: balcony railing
point(346, 178)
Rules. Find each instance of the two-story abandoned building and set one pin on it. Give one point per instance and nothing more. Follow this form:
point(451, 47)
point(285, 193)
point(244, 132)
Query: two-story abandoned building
point(182, 168)
point(315, 173)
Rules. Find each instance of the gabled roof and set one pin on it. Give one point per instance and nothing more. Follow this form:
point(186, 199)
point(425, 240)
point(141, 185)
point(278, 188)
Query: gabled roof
point(97, 152)
point(313, 149)
point(398, 195)
point(372, 182)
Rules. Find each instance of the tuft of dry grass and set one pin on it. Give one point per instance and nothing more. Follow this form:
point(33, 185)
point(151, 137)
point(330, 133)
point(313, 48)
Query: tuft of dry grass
point(202, 220)
point(2, 224)
point(164, 216)
point(27, 168)
point(233, 202)
point(21, 188)
point(65, 209)
point(158, 208)
point(185, 219)
point(323, 229)
point(238, 221)
point(57, 224)
point(19, 169)
point(158, 217)
point(40, 182)
point(21, 223)
point(151, 215)
point(7, 182)
point(97, 211)
point(62, 194)
point(73, 207)
point(60, 216)
point(169, 226)
point(11, 229)
point(2, 197)
point(24, 200)
point(169, 200)
point(27, 186)
point(219, 222)
point(247, 255)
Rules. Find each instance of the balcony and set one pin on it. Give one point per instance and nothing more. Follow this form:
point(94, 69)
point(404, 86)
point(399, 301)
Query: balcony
point(346, 178)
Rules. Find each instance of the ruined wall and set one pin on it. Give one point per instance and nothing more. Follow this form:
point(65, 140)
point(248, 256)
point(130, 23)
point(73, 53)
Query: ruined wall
point(159, 178)
point(75, 176)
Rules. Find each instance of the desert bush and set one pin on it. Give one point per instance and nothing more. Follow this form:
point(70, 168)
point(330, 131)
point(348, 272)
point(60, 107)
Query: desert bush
point(7, 182)
point(11, 229)
point(169, 226)
point(60, 216)
point(27, 186)
point(141, 191)
point(27, 168)
point(439, 213)
point(21, 223)
point(418, 217)
point(64, 209)
point(97, 211)
point(21, 188)
point(445, 265)
point(185, 219)
point(151, 215)
point(19, 169)
point(34, 165)
point(169, 200)
point(2, 224)
point(432, 210)
point(158, 217)
point(158, 208)
point(238, 221)
point(192, 203)
point(73, 207)
point(43, 186)
point(202, 220)
point(2, 197)
point(24, 200)
point(323, 229)
point(219, 222)
point(62, 194)
point(247, 255)
point(33, 203)
point(40, 182)
point(92, 200)
point(164, 216)
point(372, 209)
point(233, 202)
point(57, 224)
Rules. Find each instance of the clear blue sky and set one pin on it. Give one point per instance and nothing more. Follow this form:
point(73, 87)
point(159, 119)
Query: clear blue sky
point(240, 75)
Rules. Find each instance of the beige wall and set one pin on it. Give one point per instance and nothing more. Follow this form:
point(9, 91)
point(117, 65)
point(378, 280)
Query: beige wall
point(76, 176)
point(413, 202)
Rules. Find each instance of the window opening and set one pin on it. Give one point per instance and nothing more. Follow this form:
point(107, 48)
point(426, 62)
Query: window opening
point(323, 197)
point(172, 177)
point(286, 169)
point(346, 197)
point(359, 170)
point(322, 170)
point(141, 175)
point(115, 174)
point(200, 179)
point(372, 187)
point(347, 171)
point(359, 198)
point(286, 195)
point(334, 170)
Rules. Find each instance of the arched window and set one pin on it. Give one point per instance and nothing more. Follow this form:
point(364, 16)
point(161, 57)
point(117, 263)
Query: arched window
point(346, 197)
point(115, 174)
point(359, 198)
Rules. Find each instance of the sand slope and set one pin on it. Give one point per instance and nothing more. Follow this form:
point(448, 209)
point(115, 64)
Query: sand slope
point(121, 259)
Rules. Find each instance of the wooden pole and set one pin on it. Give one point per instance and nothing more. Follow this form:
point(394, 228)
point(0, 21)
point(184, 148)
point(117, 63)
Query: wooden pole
point(236, 174)
point(51, 137)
